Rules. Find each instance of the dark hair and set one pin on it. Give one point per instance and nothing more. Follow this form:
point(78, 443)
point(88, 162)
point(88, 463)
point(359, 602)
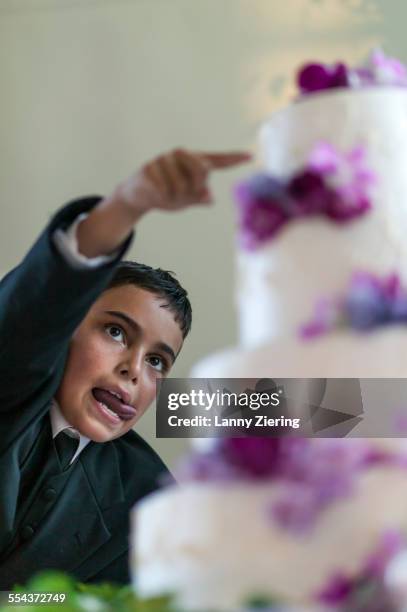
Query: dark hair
point(160, 282)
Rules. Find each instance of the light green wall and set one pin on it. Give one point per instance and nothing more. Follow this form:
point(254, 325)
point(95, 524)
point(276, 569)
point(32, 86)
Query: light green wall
point(91, 89)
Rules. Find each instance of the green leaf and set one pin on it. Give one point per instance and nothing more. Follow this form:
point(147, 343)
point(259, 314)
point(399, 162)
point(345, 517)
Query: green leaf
point(51, 581)
point(259, 602)
point(81, 597)
point(155, 604)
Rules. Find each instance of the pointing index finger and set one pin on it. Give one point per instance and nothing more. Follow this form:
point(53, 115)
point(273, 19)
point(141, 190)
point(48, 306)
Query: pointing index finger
point(226, 160)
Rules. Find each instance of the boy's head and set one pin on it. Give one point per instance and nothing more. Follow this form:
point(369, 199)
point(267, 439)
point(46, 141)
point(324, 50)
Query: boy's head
point(129, 338)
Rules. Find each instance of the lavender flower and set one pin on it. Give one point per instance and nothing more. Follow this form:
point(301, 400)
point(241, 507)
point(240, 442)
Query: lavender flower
point(387, 70)
point(257, 457)
point(390, 544)
point(347, 177)
point(313, 473)
point(365, 308)
point(297, 509)
point(331, 184)
point(337, 590)
point(370, 302)
point(261, 216)
point(368, 591)
point(327, 316)
point(324, 472)
point(243, 459)
point(380, 70)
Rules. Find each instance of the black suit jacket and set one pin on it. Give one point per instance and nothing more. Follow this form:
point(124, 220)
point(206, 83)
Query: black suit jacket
point(75, 520)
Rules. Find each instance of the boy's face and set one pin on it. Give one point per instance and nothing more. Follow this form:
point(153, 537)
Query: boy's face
point(126, 341)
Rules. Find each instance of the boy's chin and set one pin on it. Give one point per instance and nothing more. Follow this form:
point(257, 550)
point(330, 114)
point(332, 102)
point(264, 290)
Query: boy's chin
point(95, 426)
point(87, 425)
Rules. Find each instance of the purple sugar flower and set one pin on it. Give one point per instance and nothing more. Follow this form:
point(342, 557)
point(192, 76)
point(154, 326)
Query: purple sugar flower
point(263, 209)
point(324, 159)
point(316, 77)
point(309, 192)
point(387, 70)
point(367, 591)
point(312, 473)
point(348, 180)
point(313, 329)
point(380, 70)
point(315, 476)
point(327, 316)
point(361, 77)
point(332, 184)
point(366, 594)
point(205, 467)
point(391, 287)
point(399, 310)
point(297, 509)
point(347, 206)
point(262, 186)
point(365, 309)
point(336, 591)
point(245, 458)
point(370, 301)
point(391, 543)
point(258, 457)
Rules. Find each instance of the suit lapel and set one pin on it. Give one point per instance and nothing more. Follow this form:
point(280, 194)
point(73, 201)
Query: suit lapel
point(102, 469)
point(101, 465)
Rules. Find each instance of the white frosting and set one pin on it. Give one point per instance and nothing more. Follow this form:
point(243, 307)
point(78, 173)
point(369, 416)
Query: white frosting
point(341, 354)
point(278, 285)
point(215, 545)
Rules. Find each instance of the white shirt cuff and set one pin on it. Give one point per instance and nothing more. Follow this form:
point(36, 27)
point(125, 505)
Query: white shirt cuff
point(67, 244)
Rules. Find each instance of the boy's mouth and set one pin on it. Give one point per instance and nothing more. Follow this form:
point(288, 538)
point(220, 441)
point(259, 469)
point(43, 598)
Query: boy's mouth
point(114, 403)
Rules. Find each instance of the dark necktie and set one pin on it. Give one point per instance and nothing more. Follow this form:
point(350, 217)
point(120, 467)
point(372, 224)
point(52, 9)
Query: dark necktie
point(66, 447)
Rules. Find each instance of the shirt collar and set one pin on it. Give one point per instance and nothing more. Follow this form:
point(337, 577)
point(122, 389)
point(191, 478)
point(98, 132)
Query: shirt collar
point(59, 423)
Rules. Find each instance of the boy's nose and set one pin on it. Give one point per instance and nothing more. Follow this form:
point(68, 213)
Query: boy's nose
point(131, 367)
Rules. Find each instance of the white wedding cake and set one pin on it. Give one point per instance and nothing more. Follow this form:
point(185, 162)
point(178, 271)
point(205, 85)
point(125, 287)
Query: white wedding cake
point(279, 282)
point(321, 266)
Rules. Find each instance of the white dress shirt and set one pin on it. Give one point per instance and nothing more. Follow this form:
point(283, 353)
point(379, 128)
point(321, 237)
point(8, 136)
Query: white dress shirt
point(67, 244)
point(59, 423)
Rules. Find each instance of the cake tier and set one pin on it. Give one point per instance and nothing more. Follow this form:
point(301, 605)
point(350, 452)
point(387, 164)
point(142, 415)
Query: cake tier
point(278, 284)
point(341, 354)
point(215, 546)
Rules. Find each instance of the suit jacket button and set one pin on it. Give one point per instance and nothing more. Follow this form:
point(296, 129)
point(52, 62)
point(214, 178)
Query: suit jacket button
point(27, 532)
point(49, 494)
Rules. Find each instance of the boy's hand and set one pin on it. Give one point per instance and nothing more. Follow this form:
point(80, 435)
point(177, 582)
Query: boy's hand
point(175, 180)
point(172, 181)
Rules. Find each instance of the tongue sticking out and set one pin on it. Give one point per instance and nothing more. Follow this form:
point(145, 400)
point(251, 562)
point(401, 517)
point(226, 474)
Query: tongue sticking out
point(113, 403)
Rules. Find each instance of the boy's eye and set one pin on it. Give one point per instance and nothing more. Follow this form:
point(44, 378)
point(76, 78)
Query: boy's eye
point(158, 363)
point(115, 332)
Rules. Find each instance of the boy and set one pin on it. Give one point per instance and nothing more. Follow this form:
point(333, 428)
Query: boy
point(83, 340)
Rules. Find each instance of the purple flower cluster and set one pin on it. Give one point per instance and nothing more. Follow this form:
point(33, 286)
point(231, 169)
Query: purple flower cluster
point(368, 591)
point(325, 472)
point(331, 184)
point(379, 70)
point(370, 302)
point(231, 459)
point(313, 473)
point(318, 77)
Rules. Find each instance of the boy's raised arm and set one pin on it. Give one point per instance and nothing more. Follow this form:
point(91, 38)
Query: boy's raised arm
point(45, 298)
point(170, 182)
